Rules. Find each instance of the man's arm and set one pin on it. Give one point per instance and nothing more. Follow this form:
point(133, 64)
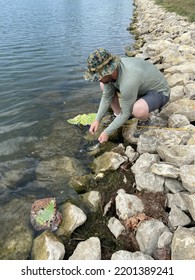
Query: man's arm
point(127, 101)
point(106, 100)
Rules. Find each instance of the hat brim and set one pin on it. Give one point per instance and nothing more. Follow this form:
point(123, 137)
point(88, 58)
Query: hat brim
point(107, 69)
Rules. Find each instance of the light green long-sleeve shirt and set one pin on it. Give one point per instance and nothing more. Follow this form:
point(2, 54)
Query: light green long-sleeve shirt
point(135, 77)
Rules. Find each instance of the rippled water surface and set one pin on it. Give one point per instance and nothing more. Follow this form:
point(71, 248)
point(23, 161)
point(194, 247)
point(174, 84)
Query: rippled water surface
point(44, 45)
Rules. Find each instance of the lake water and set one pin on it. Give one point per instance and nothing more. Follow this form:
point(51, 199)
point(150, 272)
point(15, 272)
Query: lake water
point(44, 45)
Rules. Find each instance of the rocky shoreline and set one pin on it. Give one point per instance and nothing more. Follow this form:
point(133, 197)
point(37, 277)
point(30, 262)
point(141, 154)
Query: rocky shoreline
point(154, 213)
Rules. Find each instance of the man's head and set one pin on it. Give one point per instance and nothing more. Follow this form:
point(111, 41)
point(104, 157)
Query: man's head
point(101, 63)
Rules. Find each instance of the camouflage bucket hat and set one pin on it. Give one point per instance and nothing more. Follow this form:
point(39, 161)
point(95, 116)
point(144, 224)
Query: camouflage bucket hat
point(100, 63)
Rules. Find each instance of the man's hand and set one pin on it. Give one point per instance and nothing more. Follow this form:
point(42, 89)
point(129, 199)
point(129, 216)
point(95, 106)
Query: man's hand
point(103, 137)
point(94, 127)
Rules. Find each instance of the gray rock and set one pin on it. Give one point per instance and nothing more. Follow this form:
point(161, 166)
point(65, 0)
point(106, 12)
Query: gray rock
point(149, 182)
point(144, 163)
point(47, 246)
point(131, 154)
point(148, 234)
point(165, 239)
point(179, 199)
point(182, 106)
point(183, 244)
point(115, 227)
point(107, 161)
point(177, 218)
point(178, 120)
point(126, 255)
point(150, 140)
point(187, 174)
point(165, 170)
point(173, 185)
point(189, 90)
point(177, 155)
point(89, 249)
point(177, 92)
point(72, 217)
point(191, 201)
point(92, 198)
point(127, 205)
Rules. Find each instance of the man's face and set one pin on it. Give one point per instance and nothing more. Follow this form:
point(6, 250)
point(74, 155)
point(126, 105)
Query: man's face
point(107, 79)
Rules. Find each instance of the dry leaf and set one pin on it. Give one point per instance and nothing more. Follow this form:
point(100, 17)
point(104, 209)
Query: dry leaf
point(134, 221)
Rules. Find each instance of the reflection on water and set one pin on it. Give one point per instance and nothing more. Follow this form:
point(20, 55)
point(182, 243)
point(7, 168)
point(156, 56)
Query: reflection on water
point(43, 50)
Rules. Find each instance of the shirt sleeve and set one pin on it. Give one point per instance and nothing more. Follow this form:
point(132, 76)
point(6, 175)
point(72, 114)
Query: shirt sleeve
point(127, 101)
point(106, 100)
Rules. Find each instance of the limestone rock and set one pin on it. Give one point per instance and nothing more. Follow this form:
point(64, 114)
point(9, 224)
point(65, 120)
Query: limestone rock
point(178, 120)
point(187, 174)
point(126, 255)
point(183, 106)
point(72, 217)
point(127, 205)
point(165, 170)
point(107, 161)
point(177, 155)
point(173, 185)
point(144, 163)
point(148, 234)
point(153, 138)
point(89, 249)
point(48, 246)
point(177, 92)
point(92, 198)
point(179, 199)
point(183, 244)
point(191, 201)
point(165, 239)
point(115, 227)
point(149, 182)
point(177, 218)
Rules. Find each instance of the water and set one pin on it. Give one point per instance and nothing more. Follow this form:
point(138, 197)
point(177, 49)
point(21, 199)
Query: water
point(44, 45)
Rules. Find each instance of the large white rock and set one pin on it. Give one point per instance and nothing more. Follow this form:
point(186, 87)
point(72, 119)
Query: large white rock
point(89, 249)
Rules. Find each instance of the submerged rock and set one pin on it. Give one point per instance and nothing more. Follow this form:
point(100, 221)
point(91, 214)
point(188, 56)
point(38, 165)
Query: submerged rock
point(107, 161)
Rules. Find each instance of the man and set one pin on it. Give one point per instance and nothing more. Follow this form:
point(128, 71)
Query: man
point(141, 86)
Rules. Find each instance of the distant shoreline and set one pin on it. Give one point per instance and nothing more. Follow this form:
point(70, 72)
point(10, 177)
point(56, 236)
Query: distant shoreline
point(183, 8)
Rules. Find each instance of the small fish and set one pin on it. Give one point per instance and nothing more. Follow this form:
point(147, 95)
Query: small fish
point(93, 145)
point(90, 146)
